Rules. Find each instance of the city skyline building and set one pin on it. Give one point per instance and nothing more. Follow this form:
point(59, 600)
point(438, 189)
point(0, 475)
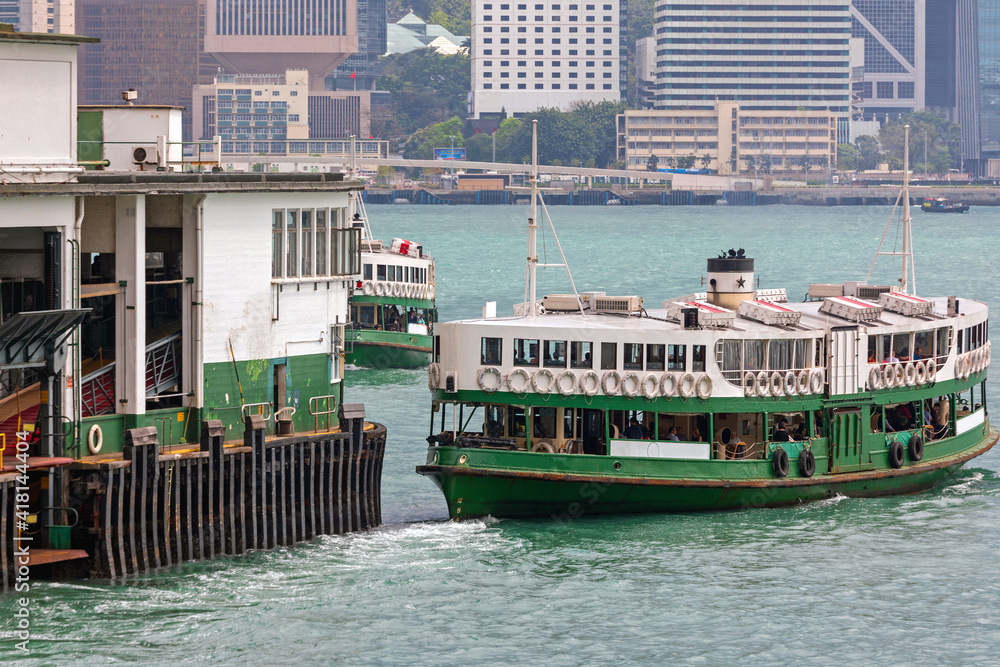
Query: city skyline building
point(988, 33)
point(530, 55)
point(760, 54)
point(372, 43)
point(51, 16)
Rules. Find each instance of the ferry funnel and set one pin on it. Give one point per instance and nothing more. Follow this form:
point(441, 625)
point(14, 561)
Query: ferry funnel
point(730, 279)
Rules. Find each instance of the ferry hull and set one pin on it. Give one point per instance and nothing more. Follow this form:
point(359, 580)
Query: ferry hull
point(402, 353)
point(473, 491)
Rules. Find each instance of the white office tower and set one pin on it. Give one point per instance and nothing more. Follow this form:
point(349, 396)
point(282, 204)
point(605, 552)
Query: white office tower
point(55, 16)
point(763, 54)
point(530, 55)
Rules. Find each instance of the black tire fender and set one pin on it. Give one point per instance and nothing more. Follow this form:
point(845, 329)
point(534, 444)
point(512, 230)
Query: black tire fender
point(896, 454)
point(807, 463)
point(779, 463)
point(915, 447)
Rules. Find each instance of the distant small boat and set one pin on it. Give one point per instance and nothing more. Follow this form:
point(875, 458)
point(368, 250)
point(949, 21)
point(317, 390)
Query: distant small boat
point(721, 202)
point(614, 202)
point(400, 200)
point(942, 205)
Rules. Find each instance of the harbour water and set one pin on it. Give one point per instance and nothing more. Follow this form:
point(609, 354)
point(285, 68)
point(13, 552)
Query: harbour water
point(901, 580)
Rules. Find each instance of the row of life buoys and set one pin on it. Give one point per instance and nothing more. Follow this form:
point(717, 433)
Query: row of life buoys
point(630, 385)
point(789, 383)
point(404, 290)
point(909, 374)
point(972, 362)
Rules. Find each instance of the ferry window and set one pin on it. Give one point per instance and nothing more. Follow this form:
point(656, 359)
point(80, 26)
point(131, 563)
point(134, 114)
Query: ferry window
point(901, 346)
point(885, 346)
point(322, 245)
point(307, 243)
point(921, 345)
point(803, 353)
point(437, 349)
point(609, 356)
point(381, 272)
point(543, 423)
point(654, 357)
point(491, 351)
point(555, 353)
point(493, 427)
point(633, 357)
point(515, 418)
point(780, 354)
point(392, 273)
point(277, 245)
point(368, 272)
point(525, 352)
point(753, 355)
point(292, 256)
point(873, 356)
point(675, 355)
point(698, 359)
point(568, 420)
point(729, 356)
point(366, 317)
point(580, 354)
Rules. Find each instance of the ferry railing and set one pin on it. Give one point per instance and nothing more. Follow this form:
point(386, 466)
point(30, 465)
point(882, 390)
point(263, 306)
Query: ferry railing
point(322, 406)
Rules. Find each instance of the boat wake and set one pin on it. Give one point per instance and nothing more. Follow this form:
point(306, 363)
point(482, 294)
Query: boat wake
point(970, 485)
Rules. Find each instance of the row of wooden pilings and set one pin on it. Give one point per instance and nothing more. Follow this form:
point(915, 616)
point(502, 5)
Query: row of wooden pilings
point(152, 508)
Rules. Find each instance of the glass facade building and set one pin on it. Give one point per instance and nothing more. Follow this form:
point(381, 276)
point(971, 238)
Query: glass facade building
point(372, 43)
point(989, 76)
point(763, 56)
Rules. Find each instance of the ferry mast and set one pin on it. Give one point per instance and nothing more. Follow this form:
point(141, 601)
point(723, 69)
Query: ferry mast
point(908, 281)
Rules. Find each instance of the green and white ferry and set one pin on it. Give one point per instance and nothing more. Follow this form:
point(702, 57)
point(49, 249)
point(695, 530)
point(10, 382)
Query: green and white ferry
point(392, 306)
point(587, 403)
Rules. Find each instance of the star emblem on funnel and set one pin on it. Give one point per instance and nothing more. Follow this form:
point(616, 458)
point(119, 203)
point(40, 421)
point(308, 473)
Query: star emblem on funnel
point(740, 283)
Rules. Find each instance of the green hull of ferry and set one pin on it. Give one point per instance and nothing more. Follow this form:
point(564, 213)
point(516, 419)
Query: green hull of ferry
point(481, 482)
point(377, 348)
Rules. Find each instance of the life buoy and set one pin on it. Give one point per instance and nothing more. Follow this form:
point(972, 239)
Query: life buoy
point(397, 289)
point(590, 383)
point(544, 446)
point(95, 439)
point(966, 368)
point(911, 374)
point(650, 386)
point(896, 454)
point(749, 384)
point(816, 381)
point(433, 376)
point(703, 387)
point(762, 383)
point(802, 382)
point(518, 381)
point(874, 378)
point(807, 463)
point(989, 353)
point(562, 386)
point(430, 292)
point(900, 374)
point(668, 385)
point(789, 384)
point(779, 462)
point(958, 367)
point(921, 370)
point(888, 376)
point(368, 288)
point(931, 370)
point(777, 384)
point(915, 447)
point(616, 382)
point(686, 385)
point(630, 385)
point(380, 289)
point(980, 359)
point(543, 380)
point(490, 386)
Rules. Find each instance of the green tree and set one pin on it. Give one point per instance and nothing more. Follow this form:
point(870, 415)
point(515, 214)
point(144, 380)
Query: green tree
point(804, 163)
point(652, 163)
point(848, 157)
point(765, 163)
point(939, 132)
point(686, 162)
point(386, 174)
point(870, 152)
point(479, 148)
point(706, 160)
point(421, 144)
point(426, 88)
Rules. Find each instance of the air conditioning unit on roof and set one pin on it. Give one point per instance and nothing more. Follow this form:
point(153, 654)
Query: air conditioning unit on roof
point(618, 304)
point(905, 304)
point(708, 315)
point(769, 313)
point(851, 309)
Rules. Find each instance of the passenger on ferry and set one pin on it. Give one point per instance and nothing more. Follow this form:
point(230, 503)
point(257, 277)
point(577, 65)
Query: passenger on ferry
point(781, 432)
point(893, 359)
point(905, 355)
point(634, 431)
point(918, 354)
point(680, 433)
point(696, 435)
point(672, 435)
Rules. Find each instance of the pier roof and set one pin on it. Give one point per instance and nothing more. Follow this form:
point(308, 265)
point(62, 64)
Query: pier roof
point(172, 183)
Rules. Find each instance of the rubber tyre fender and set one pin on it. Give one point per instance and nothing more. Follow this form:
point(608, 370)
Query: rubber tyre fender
point(779, 462)
point(915, 448)
point(896, 454)
point(807, 463)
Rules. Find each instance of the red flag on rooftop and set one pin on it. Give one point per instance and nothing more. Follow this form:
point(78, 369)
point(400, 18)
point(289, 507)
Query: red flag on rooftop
point(354, 73)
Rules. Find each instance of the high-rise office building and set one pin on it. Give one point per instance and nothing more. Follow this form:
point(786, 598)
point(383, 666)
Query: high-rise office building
point(528, 55)
point(372, 43)
point(763, 54)
point(55, 16)
point(988, 31)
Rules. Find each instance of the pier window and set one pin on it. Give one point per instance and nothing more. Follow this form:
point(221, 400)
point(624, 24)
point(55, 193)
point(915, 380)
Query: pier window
point(525, 352)
point(580, 354)
point(654, 357)
point(491, 351)
point(321, 246)
point(307, 244)
point(555, 354)
point(609, 356)
point(633, 357)
point(292, 256)
point(277, 245)
point(676, 357)
point(698, 358)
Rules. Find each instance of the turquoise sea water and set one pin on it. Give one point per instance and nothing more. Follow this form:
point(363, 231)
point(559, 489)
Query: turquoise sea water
point(898, 580)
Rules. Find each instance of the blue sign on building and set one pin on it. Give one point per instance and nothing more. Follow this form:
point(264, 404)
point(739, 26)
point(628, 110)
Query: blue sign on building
point(456, 153)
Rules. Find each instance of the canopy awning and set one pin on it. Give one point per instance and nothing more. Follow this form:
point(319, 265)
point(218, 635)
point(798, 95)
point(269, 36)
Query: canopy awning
point(28, 339)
